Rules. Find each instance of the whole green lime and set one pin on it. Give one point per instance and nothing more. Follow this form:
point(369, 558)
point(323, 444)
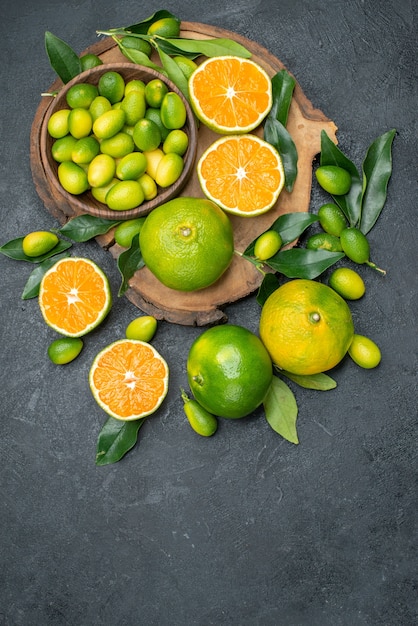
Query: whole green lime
point(334, 179)
point(229, 371)
point(64, 350)
point(355, 245)
point(332, 219)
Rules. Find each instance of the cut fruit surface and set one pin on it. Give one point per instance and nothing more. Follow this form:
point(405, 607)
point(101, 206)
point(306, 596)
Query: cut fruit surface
point(230, 94)
point(129, 379)
point(74, 296)
point(242, 173)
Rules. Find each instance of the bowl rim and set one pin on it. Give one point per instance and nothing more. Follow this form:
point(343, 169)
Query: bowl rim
point(85, 202)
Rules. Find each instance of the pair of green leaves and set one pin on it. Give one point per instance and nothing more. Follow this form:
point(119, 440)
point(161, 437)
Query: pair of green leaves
point(366, 198)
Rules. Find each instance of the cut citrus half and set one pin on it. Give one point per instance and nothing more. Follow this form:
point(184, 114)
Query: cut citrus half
point(243, 174)
point(74, 296)
point(129, 379)
point(230, 95)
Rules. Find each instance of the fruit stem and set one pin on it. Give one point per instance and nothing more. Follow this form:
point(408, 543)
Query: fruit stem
point(184, 395)
point(374, 266)
point(257, 264)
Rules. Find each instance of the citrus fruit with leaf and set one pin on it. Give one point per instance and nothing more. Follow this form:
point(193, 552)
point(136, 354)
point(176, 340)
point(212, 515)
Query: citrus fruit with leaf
point(333, 179)
point(230, 94)
point(74, 296)
point(267, 245)
point(229, 371)
point(65, 349)
point(306, 327)
point(187, 243)
point(364, 352)
point(355, 245)
point(242, 173)
point(165, 27)
point(332, 219)
point(348, 283)
point(39, 242)
point(129, 379)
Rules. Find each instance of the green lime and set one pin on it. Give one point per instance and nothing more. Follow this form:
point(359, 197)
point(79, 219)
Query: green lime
point(85, 150)
point(80, 123)
point(146, 135)
point(64, 350)
point(335, 180)
point(81, 95)
point(364, 352)
point(176, 141)
point(72, 177)
point(173, 111)
point(112, 86)
point(142, 328)
point(118, 145)
point(136, 43)
point(109, 123)
point(100, 193)
point(58, 124)
point(135, 84)
point(165, 27)
point(267, 245)
point(347, 283)
point(155, 116)
point(131, 166)
point(134, 106)
point(125, 195)
point(324, 241)
point(332, 219)
point(39, 242)
point(155, 91)
point(90, 60)
point(355, 245)
point(99, 106)
point(126, 231)
point(149, 186)
point(62, 149)
point(101, 170)
point(169, 169)
point(202, 422)
point(186, 65)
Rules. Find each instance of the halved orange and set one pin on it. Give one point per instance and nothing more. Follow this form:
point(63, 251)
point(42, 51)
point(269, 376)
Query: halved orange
point(129, 379)
point(74, 296)
point(230, 95)
point(243, 174)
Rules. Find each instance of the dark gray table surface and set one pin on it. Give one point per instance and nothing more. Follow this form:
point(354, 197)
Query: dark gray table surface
point(243, 529)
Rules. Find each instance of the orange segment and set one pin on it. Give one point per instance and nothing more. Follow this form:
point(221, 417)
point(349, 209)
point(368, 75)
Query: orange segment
point(230, 94)
point(74, 296)
point(243, 174)
point(129, 379)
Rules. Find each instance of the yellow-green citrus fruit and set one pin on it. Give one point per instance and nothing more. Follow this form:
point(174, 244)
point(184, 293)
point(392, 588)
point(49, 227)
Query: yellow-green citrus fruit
point(334, 179)
point(80, 123)
point(81, 95)
point(131, 166)
point(134, 85)
point(202, 422)
point(109, 123)
point(229, 371)
point(64, 350)
point(126, 231)
point(117, 146)
point(153, 158)
point(99, 106)
point(347, 283)
point(364, 352)
point(355, 245)
point(187, 243)
point(147, 136)
point(332, 219)
point(155, 116)
point(165, 27)
point(112, 86)
point(72, 177)
point(85, 150)
point(101, 170)
point(58, 124)
point(154, 93)
point(176, 141)
point(324, 241)
point(100, 193)
point(169, 169)
point(142, 328)
point(136, 43)
point(149, 186)
point(267, 245)
point(62, 148)
point(186, 65)
point(39, 242)
point(125, 195)
point(173, 111)
point(134, 107)
point(90, 60)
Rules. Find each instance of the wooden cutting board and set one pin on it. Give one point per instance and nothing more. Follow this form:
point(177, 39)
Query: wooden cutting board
point(204, 307)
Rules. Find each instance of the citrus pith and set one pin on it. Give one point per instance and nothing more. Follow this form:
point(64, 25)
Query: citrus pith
point(230, 94)
point(306, 327)
point(74, 296)
point(242, 173)
point(129, 379)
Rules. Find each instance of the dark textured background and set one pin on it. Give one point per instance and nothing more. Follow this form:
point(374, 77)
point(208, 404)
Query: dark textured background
point(243, 529)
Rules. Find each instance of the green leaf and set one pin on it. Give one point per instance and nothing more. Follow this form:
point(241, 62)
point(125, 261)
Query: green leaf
point(115, 439)
point(377, 170)
point(289, 226)
point(303, 263)
point(174, 73)
point(320, 382)
point(283, 85)
point(128, 263)
point(85, 227)
point(14, 250)
point(270, 283)
point(350, 203)
point(136, 56)
point(31, 289)
point(210, 47)
point(64, 61)
point(279, 137)
point(281, 410)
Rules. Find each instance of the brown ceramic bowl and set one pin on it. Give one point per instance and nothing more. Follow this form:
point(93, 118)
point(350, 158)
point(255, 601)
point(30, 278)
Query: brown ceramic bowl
point(85, 203)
